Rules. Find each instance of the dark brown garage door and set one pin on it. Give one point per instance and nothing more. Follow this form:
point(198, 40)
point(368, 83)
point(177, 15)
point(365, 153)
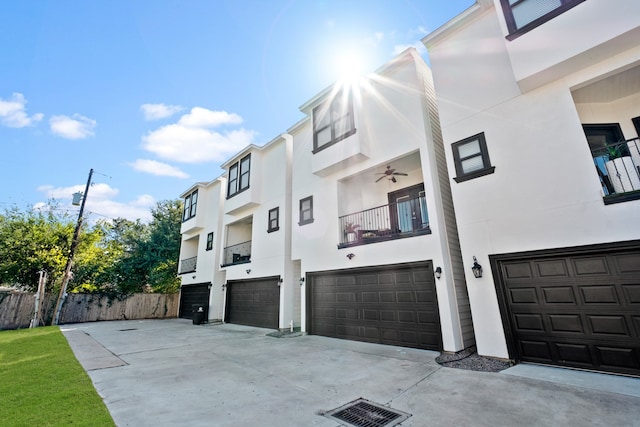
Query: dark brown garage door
point(191, 295)
point(253, 302)
point(393, 305)
point(578, 310)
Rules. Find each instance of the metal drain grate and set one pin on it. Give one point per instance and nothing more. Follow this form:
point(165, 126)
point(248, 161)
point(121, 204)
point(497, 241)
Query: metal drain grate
point(363, 413)
point(130, 329)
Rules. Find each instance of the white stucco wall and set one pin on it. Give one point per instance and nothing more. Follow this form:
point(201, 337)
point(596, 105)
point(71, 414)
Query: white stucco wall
point(390, 115)
point(545, 192)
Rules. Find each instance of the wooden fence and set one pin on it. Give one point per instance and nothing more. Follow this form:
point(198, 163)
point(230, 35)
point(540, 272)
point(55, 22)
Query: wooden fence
point(17, 309)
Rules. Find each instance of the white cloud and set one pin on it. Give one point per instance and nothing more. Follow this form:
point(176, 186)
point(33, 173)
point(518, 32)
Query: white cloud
point(202, 118)
point(13, 114)
point(192, 141)
point(100, 201)
point(157, 168)
point(397, 49)
point(159, 111)
point(75, 127)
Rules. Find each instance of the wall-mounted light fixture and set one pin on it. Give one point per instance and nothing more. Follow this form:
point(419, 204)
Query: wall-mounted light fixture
point(301, 281)
point(248, 270)
point(476, 268)
point(280, 280)
point(193, 277)
point(350, 256)
point(438, 272)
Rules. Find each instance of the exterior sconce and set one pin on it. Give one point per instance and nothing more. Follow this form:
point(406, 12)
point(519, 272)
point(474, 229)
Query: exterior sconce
point(248, 270)
point(438, 272)
point(301, 281)
point(209, 286)
point(350, 256)
point(476, 268)
point(280, 280)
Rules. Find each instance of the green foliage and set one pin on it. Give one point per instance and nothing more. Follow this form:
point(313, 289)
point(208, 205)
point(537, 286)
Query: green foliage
point(43, 384)
point(112, 257)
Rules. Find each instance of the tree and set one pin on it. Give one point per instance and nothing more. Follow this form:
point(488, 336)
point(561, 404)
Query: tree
point(33, 240)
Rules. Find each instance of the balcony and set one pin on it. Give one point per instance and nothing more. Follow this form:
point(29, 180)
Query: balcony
point(237, 254)
point(188, 265)
point(618, 167)
point(406, 218)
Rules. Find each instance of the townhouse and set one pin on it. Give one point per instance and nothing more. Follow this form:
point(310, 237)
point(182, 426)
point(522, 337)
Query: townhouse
point(540, 112)
point(342, 226)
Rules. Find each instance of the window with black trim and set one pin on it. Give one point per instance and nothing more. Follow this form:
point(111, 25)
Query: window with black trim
point(274, 220)
point(190, 203)
point(524, 15)
point(636, 124)
point(306, 211)
point(333, 121)
point(471, 158)
point(210, 241)
point(239, 176)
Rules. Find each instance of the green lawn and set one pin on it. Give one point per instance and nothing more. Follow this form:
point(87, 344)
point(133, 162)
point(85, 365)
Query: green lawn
point(42, 383)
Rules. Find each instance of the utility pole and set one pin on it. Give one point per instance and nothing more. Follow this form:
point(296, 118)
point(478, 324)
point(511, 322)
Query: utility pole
point(74, 243)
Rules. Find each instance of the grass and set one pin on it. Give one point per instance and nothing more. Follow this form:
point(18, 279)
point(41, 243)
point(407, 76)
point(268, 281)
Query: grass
point(42, 383)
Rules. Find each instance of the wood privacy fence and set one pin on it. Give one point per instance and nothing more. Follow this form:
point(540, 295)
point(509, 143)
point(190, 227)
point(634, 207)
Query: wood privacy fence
point(17, 309)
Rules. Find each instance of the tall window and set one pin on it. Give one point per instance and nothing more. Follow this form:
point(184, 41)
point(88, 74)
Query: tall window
point(333, 121)
point(190, 203)
point(239, 176)
point(524, 15)
point(209, 241)
point(306, 211)
point(274, 220)
point(471, 158)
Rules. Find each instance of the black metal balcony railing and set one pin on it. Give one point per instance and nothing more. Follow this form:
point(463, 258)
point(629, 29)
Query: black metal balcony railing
point(188, 265)
point(393, 221)
point(237, 254)
point(618, 166)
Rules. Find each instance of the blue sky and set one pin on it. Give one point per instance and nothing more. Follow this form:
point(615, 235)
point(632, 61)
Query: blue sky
point(155, 95)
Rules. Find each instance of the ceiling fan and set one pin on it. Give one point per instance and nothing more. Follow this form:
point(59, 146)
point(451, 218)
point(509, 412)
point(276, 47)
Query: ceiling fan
point(390, 174)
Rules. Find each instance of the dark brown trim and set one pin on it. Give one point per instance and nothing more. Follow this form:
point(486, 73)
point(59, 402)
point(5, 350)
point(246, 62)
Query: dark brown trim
point(329, 106)
point(308, 221)
point(238, 181)
point(499, 283)
point(515, 32)
point(636, 124)
point(484, 153)
point(271, 229)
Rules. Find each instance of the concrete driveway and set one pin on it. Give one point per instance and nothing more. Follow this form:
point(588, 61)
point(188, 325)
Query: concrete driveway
point(171, 372)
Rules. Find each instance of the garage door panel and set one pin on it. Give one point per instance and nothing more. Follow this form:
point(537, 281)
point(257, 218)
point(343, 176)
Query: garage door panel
point(628, 263)
point(558, 295)
point(632, 293)
point(529, 322)
point(574, 310)
point(388, 305)
point(523, 296)
point(616, 358)
point(571, 323)
point(575, 353)
point(191, 295)
point(552, 268)
point(599, 294)
point(609, 325)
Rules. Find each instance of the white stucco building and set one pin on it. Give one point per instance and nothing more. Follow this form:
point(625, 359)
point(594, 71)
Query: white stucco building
point(540, 112)
point(342, 226)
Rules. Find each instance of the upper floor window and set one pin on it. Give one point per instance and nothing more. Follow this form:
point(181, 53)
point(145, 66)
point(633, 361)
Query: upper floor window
point(209, 241)
point(274, 220)
point(190, 203)
point(333, 121)
point(306, 211)
point(524, 15)
point(239, 176)
point(471, 158)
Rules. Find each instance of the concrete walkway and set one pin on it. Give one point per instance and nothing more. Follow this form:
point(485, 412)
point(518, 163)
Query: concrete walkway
point(173, 373)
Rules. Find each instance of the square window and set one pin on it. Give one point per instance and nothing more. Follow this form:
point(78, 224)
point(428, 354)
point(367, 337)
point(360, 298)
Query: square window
point(209, 241)
point(239, 176)
point(333, 121)
point(471, 158)
point(190, 203)
point(306, 211)
point(274, 220)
